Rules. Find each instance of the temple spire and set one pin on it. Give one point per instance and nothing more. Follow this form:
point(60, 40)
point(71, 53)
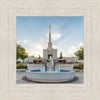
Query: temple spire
point(49, 33)
point(49, 43)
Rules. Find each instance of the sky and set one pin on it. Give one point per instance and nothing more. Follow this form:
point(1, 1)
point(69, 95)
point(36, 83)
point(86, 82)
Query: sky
point(66, 34)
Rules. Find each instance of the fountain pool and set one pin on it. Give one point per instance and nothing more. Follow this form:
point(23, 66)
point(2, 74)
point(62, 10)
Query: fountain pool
point(50, 72)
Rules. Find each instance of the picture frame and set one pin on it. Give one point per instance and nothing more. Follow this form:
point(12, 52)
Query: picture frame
point(9, 90)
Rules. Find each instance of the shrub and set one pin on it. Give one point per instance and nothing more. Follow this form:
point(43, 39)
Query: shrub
point(20, 66)
point(60, 61)
point(34, 61)
point(18, 62)
point(39, 61)
point(64, 61)
point(80, 67)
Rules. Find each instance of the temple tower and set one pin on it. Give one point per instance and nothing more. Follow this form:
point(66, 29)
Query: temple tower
point(49, 51)
point(49, 43)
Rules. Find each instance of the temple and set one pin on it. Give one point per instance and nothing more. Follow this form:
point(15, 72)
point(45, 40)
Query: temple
point(49, 51)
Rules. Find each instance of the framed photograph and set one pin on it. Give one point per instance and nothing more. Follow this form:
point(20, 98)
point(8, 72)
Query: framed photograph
point(49, 50)
point(39, 60)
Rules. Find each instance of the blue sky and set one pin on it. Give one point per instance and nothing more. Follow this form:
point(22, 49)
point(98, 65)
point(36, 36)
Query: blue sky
point(66, 32)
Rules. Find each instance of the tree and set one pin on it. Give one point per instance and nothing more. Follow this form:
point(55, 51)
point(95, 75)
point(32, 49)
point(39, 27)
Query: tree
point(21, 53)
point(39, 57)
point(33, 56)
point(80, 53)
point(61, 55)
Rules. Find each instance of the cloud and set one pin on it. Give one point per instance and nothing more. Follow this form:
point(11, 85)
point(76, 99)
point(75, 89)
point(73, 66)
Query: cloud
point(36, 50)
point(23, 41)
point(73, 49)
point(55, 36)
point(18, 42)
point(54, 46)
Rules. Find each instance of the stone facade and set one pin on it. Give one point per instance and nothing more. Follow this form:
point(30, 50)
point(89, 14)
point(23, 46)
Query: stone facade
point(47, 53)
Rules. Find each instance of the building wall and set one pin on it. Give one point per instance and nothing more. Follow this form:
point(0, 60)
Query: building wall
point(71, 59)
point(30, 59)
point(38, 66)
point(45, 54)
point(33, 66)
point(54, 52)
point(20, 60)
point(47, 51)
point(26, 60)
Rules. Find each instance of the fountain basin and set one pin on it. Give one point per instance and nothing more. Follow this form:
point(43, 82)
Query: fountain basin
point(62, 76)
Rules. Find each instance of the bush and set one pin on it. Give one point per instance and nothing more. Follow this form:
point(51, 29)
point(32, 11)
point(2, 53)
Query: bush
point(34, 61)
point(20, 66)
point(64, 61)
point(18, 62)
point(60, 61)
point(39, 61)
point(80, 67)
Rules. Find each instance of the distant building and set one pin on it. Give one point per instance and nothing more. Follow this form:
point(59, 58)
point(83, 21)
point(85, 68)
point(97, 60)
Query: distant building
point(71, 59)
point(19, 60)
point(30, 59)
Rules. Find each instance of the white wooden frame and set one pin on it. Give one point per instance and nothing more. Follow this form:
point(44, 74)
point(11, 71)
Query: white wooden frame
point(9, 90)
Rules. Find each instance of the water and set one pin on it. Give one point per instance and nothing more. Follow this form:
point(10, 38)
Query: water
point(49, 71)
point(50, 66)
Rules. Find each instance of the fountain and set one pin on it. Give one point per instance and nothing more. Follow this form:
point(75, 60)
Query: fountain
point(50, 66)
point(50, 72)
